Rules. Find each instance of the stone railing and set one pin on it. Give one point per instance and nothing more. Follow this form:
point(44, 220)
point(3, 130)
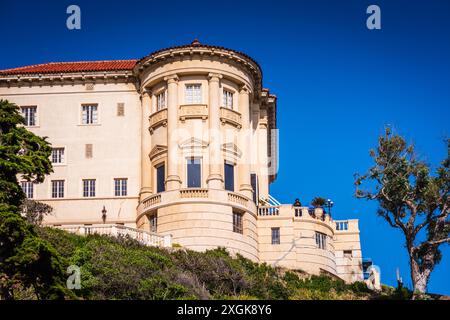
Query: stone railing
point(152, 200)
point(193, 111)
point(142, 236)
point(194, 193)
point(230, 116)
point(191, 195)
point(234, 197)
point(157, 119)
point(269, 211)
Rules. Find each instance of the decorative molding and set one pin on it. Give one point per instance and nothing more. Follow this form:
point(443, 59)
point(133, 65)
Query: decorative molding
point(173, 78)
point(230, 116)
point(193, 144)
point(157, 150)
point(232, 149)
point(157, 119)
point(193, 111)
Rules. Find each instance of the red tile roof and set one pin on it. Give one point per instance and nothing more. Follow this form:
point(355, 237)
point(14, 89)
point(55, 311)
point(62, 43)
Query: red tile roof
point(67, 67)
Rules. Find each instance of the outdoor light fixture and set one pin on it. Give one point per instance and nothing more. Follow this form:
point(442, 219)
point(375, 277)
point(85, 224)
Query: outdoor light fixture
point(104, 214)
point(329, 204)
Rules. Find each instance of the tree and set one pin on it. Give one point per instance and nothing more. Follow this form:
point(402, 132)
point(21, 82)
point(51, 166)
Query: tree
point(25, 260)
point(35, 211)
point(318, 202)
point(412, 200)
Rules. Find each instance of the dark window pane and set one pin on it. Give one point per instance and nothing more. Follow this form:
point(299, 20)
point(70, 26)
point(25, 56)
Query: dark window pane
point(253, 181)
point(229, 177)
point(160, 176)
point(194, 173)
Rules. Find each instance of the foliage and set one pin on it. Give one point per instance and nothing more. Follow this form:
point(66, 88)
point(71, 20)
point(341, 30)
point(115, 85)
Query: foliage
point(318, 202)
point(35, 211)
point(120, 268)
point(26, 261)
point(412, 200)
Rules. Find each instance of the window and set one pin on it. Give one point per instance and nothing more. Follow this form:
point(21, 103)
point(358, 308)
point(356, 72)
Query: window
point(194, 173)
point(275, 235)
point(193, 93)
point(160, 179)
point(88, 151)
point(29, 113)
point(89, 188)
point(227, 101)
point(229, 176)
point(57, 188)
point(161, 101)
point(254, 183)
point(28, 188)
point(89, 114)
point(321, 240)
point(153, 223)
point(237, 222)
point(120, 109)
point(348, 253)
point(58, 155)
point(120, 187)
point(342, 225)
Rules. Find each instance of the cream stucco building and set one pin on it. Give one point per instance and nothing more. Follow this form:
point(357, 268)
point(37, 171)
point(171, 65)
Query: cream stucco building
point(182, 145)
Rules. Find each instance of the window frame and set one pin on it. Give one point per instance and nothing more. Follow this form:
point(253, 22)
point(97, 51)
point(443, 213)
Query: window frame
point(119, 184)
point(57, 188)
point(228, 164)
point(238, 222)
point(200, 93)
point(163, 185)
point(321, 240)
point(25, 115)
point(153, 222)
point(27, 188)
point(159, 100)
point(200, 164)
point(90, 191)
point(277, 239)
point(63, 156)
point(97, 115)
point(226, 95)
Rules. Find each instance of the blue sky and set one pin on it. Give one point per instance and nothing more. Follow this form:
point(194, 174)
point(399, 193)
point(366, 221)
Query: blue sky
point(338, 84)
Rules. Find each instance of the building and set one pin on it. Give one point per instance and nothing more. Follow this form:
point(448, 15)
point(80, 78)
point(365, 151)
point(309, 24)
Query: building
point(181, 143)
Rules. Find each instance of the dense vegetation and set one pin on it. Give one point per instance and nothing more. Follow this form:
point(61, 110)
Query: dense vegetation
point(120, 268)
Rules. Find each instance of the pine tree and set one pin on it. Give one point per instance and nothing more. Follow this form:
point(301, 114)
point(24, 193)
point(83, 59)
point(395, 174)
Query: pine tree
point(26, 261)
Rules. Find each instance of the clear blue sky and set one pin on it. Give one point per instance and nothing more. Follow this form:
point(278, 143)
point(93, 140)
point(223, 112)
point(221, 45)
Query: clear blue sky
point(338, 84)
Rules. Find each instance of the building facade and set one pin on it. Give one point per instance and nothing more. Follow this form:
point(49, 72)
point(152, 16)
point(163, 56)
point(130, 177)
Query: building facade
point(182, 142)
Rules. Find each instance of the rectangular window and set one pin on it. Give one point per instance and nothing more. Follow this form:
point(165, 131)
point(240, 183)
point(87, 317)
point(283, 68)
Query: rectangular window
point(194, 174)
point(237, 223)
point(348, 253)
point(88, 187)
point(227, 99)
point(161, 101)
point(29, 113)
point(254, 182)
point(342, 225)
point(28, 189)
point(193, 93)
point(120, 109)
point(57, 188)
point(321, 240)
point(229, 176)
point(153, 223)
point(58, 155)
point(89, 114)
point(120, 187)
point(160, 179)
point(275, 235)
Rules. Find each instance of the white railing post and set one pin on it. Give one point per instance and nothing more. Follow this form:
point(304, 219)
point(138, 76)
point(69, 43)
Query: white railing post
point(167, 241)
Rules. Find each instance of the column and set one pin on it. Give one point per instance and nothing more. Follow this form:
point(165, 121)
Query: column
point(263, 164)
point(146, 166)
point(244, 164)
point(215, 179)
point(173, 180)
